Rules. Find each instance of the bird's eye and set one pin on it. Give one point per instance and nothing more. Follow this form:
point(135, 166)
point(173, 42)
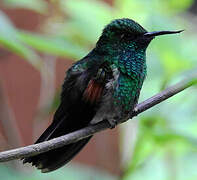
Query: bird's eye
point(127, 36)
point(130, 36)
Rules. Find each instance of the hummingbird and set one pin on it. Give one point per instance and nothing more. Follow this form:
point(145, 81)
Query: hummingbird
point(103, 85)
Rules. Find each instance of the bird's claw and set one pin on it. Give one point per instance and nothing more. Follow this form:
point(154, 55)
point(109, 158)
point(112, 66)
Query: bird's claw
point(113, 123)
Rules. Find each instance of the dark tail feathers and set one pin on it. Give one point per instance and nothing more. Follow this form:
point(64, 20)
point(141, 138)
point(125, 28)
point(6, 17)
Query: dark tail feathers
point(56, 158)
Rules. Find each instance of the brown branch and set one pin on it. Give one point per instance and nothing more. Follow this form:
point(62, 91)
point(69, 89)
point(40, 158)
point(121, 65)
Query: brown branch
point(85, 132)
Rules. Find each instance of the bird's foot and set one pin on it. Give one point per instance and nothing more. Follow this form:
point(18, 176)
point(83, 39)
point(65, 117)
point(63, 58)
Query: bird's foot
point(133, 113)
point(113, 123)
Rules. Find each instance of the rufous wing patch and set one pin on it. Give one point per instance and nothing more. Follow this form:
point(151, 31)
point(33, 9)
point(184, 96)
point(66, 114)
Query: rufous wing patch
point(93, 91)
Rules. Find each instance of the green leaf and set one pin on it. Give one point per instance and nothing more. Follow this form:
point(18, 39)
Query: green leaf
point(177, 5)
point(39, 6)
point(10, 40)
point(52, 45)
point(138, 10)
point(88, 16)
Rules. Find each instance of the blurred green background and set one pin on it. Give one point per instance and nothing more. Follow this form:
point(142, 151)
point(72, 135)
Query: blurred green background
point(161, 143)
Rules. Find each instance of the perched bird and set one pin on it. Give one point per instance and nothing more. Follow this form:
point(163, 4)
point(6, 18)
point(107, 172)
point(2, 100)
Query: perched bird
point(104, 85)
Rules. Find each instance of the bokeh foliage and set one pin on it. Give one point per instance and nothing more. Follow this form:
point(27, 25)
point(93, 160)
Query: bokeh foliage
point(166, 144)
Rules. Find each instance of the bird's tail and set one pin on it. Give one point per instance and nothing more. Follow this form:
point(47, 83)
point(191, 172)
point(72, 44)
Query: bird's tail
point(56, 158)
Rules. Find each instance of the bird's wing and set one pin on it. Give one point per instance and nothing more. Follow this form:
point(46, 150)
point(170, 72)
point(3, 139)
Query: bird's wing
point(80, 96)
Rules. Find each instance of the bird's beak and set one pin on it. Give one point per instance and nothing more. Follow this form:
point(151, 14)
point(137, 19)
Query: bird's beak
point(158, 33)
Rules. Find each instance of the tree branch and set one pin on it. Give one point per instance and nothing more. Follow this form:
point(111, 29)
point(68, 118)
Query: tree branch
point(35, 149)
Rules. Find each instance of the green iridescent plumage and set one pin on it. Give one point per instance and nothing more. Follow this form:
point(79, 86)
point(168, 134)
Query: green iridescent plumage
point(120, 46)
point(127, 25)
point(104, 85)
point(122, 49)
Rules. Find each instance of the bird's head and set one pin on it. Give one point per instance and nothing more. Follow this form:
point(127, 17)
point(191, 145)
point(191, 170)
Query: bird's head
point(126, 32)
